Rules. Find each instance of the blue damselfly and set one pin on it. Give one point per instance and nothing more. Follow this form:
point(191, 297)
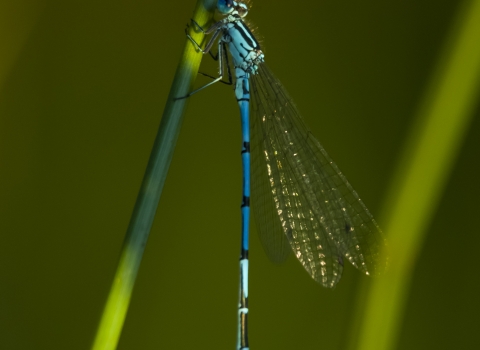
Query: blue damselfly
point(301, 200)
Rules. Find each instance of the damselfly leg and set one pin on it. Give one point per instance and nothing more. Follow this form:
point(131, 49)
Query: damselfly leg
point(222, 52)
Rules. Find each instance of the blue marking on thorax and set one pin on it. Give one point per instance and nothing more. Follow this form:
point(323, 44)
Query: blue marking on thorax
point(243, 47)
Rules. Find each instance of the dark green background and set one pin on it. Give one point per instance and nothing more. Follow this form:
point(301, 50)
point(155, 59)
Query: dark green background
point(82, 88)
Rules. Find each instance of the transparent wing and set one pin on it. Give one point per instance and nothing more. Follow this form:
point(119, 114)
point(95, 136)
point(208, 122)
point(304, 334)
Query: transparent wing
point(299, 196)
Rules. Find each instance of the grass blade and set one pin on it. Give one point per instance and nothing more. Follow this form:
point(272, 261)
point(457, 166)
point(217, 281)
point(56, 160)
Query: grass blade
point(422, 173)
point(116, 307)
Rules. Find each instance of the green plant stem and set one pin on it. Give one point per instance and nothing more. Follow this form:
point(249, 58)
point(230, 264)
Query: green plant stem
point(116, 307)
point(422, 173)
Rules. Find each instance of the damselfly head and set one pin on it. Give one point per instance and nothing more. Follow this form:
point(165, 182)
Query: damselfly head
point(228, 6)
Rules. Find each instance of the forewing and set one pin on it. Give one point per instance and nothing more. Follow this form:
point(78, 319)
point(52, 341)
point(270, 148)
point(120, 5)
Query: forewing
point(300, 196)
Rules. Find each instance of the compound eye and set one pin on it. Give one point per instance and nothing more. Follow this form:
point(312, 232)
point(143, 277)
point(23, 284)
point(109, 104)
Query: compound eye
point(225, 6)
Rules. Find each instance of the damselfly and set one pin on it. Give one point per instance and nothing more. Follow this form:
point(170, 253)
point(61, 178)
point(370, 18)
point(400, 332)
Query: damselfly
point(301, 200)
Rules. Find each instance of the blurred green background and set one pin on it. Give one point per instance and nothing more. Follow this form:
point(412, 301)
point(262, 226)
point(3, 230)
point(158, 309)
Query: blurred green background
point(82, 89)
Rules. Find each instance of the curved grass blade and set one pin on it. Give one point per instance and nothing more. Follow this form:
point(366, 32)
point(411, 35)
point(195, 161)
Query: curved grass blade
point(421, 176)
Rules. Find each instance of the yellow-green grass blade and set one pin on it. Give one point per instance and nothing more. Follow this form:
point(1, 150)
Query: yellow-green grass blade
point(116, 307)
point(422, 173)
